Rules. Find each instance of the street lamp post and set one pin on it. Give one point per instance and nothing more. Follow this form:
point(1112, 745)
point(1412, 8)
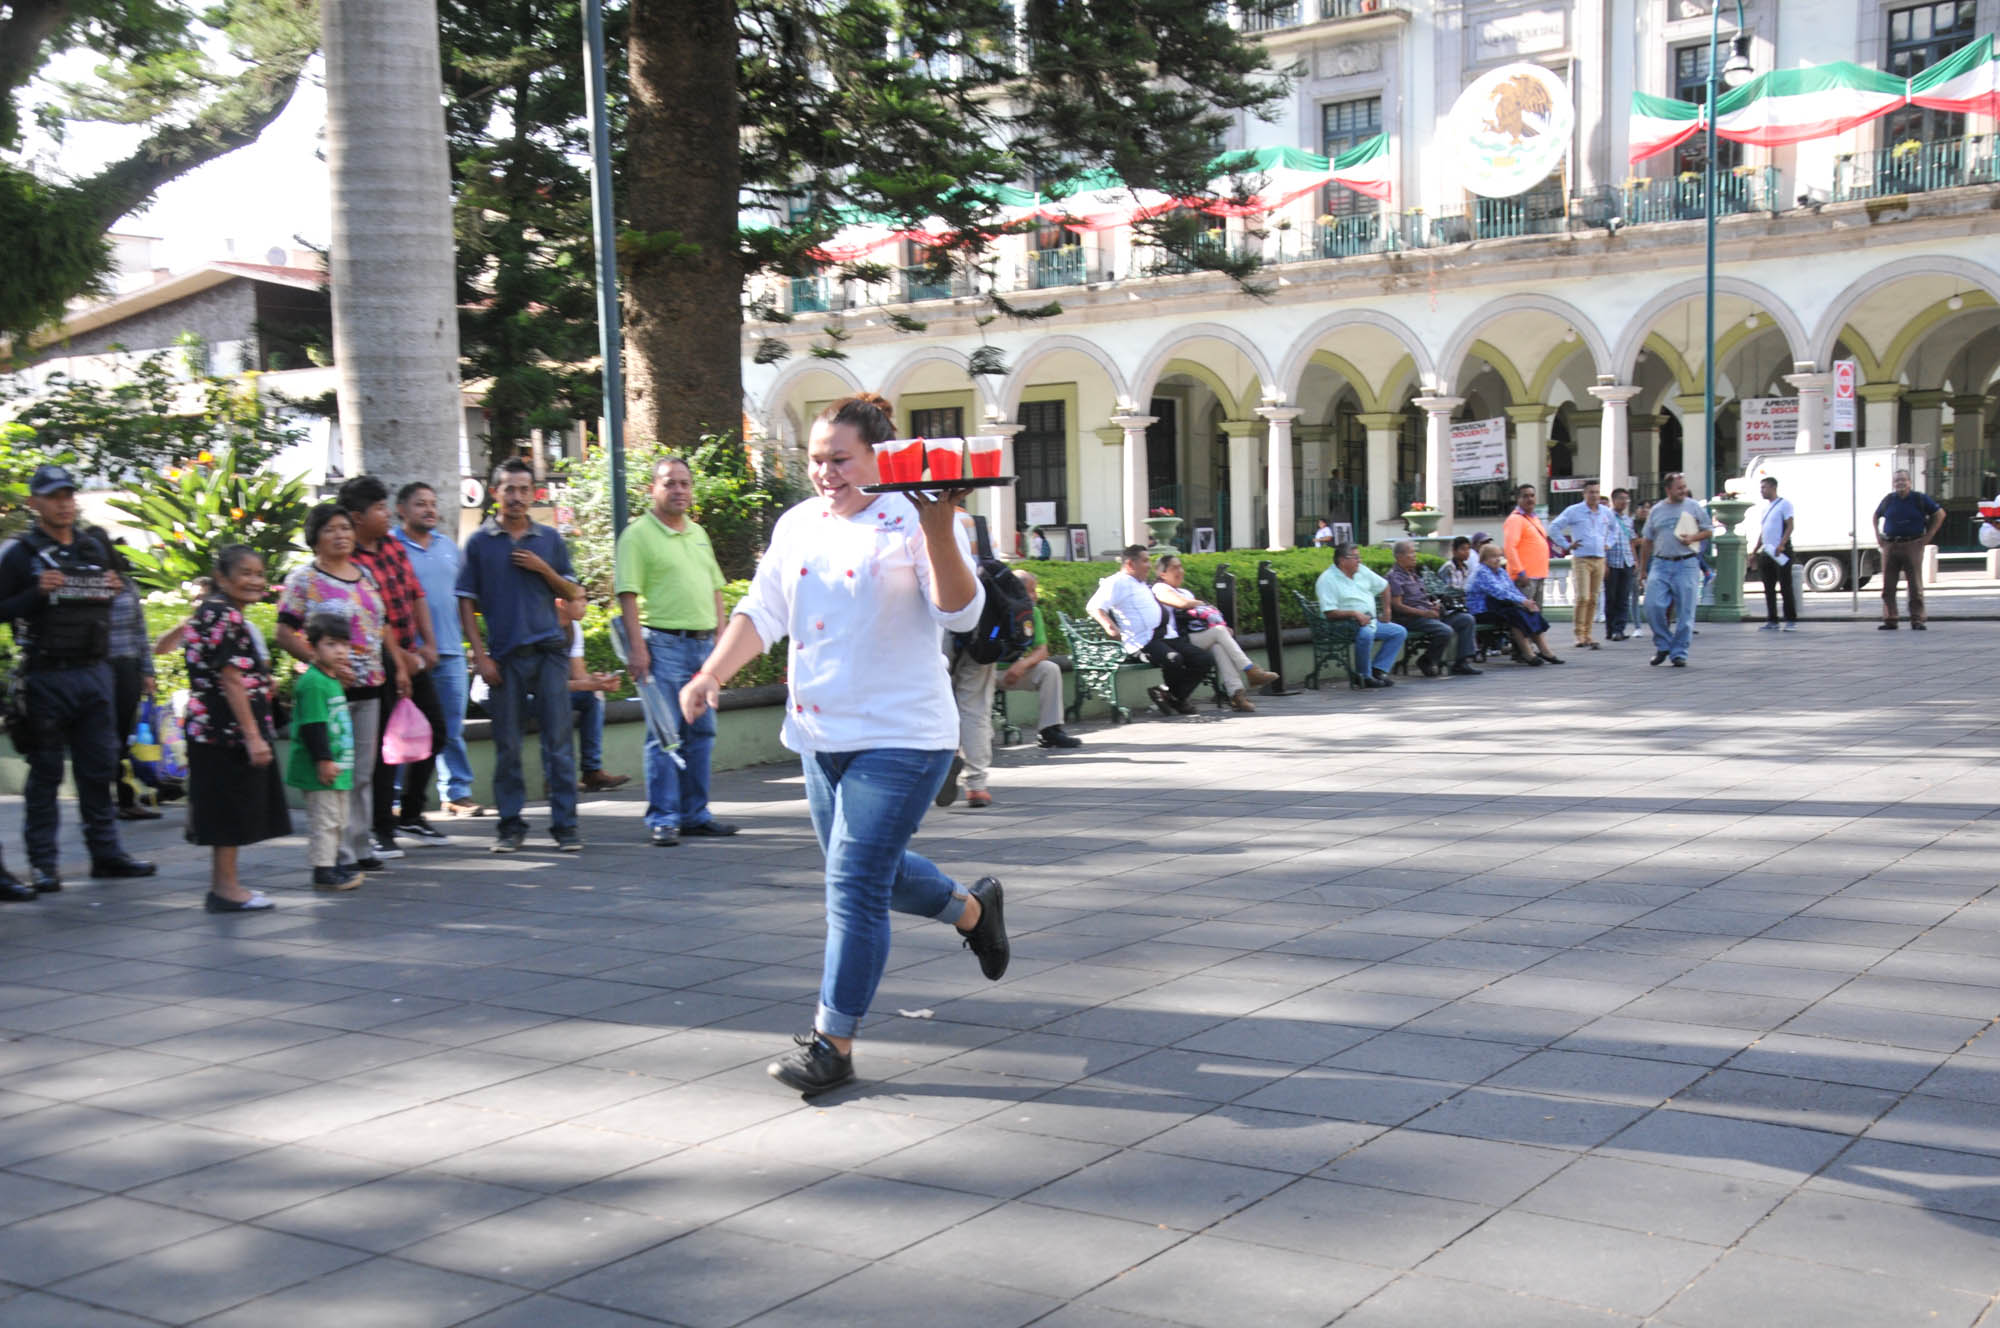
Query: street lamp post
point(610, 343)
point(1735, 75)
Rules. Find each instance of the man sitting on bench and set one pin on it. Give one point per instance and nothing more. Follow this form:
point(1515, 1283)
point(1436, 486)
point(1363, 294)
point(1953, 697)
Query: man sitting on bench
point(1124, 607)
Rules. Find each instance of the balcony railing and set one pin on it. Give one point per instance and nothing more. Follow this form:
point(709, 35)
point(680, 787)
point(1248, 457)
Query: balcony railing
point(811, 295)
point(1344, 237)
point(924, 283)
point(1313, 11)
point(1915, 168)
point(1681, 197)
point(1053, 267)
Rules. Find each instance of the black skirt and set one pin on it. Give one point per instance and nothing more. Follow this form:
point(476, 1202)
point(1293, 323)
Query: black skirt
point(1509, 614)
point(232, 802)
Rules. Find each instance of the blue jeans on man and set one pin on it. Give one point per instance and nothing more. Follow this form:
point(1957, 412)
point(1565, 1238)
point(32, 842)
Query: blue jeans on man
point(1378, 644)
point(865, 806)
point(1617, 600)
point(1672, 584)
point(454, 777)
point(677, 796)
point(537, 676)
point(586, 710)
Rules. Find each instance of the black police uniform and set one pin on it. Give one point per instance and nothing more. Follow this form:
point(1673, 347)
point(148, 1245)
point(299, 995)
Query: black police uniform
point(62, 640)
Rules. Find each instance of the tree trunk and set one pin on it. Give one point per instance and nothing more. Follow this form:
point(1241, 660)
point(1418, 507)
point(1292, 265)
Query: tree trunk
point(683, 305)
point(395, 321)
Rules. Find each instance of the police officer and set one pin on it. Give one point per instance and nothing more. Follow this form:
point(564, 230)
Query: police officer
point(56, 587)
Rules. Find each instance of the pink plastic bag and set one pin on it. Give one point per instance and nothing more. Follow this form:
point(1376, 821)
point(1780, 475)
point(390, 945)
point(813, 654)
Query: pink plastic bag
point(408, 737)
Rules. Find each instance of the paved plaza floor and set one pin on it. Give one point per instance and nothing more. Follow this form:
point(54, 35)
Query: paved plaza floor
point(1594, 995)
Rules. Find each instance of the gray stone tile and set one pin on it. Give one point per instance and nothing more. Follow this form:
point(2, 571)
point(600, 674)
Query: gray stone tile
point(1454, 1060)
point(1943, 1250)
point(1048, 1251)
point(554, 1157)
point(251, 1186)
point(1204, 1076)
point(387, 1214)
point(543, 1243)
point(131, 1160)
point(1750, 1287)
point(1940, 1122)
point(1658, 1039)
point(980, 1159)
point(43, 1250)
point(1624, 1271)
point(1297, 1042)
point(1356, 1095)
point(1215, 1283)
point(717, 1278)
point(561, 1094)
point(1668, 1201)
point(1275, 1140)
point(868, 1217)
point(1481, 1171)
point(208, 1273)
point(381, 1293)
point(1367, 1225)
point(1527, 1118)
point(547, 1311)
point(890, 1297)
point(1415, 1301)
point(1750, 1149)
point(37, 1309)
point(1872, 1065)
point(24, 1197)
point(1182, 1192)
point(1099, 1115)
point(1847, 1108)
point(1932, 1178)
point(1630, 1080)
point(700, 1184)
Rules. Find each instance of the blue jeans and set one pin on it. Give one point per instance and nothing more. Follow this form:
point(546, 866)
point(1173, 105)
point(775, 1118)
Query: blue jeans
point(532, 676)
point(1672, 584)
point(675, 795)
point(1617, 600)
point(454, 762)
point(865, 806)
point(1381, 640)
point(586, 711)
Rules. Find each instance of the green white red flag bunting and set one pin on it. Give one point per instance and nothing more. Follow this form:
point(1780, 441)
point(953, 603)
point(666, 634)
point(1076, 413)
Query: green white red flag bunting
point(1659, 123)
point(1365, 168)
point(1968, 82)
point(1793, 105)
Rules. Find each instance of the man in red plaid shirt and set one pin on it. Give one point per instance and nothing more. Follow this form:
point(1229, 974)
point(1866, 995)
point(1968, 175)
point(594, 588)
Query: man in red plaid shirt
point(366, 501)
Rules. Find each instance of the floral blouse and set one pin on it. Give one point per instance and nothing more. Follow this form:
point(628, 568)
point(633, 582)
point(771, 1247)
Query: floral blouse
point(308, 590)
point(220, 637)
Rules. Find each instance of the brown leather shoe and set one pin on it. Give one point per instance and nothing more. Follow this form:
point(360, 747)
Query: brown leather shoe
point(597, 781)
point(1242, 702)
point(1257, 677)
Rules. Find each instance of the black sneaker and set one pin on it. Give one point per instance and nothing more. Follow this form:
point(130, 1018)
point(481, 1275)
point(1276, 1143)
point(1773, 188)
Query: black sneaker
point(385, 845)
point(1162, 699)
point(569, 841)
point(814, 1068)
point(949, 793)
point(1182, 706)
point(988, 937)
point(423, 831)
point(508, 841)
point(1659, 657)
point(369, 864)
point(1053, 736)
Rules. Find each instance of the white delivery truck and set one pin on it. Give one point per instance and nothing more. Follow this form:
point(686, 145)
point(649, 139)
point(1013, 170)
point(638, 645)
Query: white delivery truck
point(1833, 505)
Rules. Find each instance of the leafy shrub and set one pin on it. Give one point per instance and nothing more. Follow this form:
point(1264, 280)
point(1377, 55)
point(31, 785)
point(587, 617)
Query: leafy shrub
point(1067, 586)
point(190, 511)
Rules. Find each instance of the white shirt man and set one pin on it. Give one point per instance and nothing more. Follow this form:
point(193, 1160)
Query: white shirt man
point(1125, 608)
point(1771, 552)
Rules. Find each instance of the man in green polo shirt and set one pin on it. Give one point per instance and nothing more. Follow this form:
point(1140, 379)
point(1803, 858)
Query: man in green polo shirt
point(670, 596)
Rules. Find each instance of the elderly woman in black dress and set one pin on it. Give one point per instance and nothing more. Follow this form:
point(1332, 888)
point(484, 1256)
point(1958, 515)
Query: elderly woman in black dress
point(236, 795)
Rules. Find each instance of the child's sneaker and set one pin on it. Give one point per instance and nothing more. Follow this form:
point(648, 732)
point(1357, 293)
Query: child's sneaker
point(335, 878)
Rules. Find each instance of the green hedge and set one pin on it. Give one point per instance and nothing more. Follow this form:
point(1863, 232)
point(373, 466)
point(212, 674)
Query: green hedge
point(1066, 586)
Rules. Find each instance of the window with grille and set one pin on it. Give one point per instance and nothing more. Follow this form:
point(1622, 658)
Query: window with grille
point(1342, 125)
point(1920, 37)
point(941, 422)
point(1041, 460)
point(1690, 78)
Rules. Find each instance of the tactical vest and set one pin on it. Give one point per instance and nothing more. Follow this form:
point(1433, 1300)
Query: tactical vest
point(75, 624)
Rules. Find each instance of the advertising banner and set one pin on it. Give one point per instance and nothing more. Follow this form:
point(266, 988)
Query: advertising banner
point(1478, 451)
point(1770, 424)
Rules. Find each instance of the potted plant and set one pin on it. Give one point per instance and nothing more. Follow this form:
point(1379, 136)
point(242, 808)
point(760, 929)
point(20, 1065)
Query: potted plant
point(1163, 525)
point(1422, 519)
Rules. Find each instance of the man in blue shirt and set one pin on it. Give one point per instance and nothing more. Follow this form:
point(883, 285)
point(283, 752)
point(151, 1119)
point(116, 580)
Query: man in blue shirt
point(436, 561)
point(1585, 531)
point(1905, 521)
point(514, 571)
point(1618, 579)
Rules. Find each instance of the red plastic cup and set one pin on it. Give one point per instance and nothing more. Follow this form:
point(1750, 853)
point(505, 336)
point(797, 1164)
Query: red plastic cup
point(983, 455)
point(945, 456)
point(900, 460)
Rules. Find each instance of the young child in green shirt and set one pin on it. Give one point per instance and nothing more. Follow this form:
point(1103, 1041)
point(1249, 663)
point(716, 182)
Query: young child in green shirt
point(322, 760)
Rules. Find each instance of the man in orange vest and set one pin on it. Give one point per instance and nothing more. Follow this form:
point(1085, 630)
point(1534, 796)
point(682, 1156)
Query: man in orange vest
point(1526, 543)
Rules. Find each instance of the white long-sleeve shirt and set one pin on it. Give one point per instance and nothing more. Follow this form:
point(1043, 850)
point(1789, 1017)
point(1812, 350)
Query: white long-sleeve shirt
point(1131, 605)
point(854, 596)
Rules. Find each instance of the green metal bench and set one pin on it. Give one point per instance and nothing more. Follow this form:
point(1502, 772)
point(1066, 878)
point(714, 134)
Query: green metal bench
point(1333, 642)
point(1096, 659)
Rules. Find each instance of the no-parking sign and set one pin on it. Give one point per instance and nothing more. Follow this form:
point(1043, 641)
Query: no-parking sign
point(1844, 375)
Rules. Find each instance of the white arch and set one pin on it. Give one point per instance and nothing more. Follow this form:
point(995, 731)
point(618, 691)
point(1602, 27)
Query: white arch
point(1468, 332)
point(1292, 375)
point(1928, 265)
point(892, 384)
point(1165, 351)
point(1017, 381)
point(1626, 361)
point(774, 400)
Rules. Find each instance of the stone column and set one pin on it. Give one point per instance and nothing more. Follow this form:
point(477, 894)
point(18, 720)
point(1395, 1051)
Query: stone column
point(1132, 478)
point(1692, 461)
point(1614, 450)
point(998, 505)
point(1927, 431)
point(1812, 388)
point(1242, 435)
point(1281, 509)
point(1878, 413)
point(1437, 456)
point(1585, 443)
point(1315, 454)
point(1645, 452)
point(1528, 458)
point(1967, 441)
point(1385, 431)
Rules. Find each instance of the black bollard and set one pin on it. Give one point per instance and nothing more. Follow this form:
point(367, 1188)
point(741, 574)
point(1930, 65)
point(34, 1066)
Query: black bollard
point(1274, 630)
point(1225, 595)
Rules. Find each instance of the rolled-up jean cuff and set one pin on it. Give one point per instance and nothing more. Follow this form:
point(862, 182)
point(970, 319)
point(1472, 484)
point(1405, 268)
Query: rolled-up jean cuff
point(833, 1023)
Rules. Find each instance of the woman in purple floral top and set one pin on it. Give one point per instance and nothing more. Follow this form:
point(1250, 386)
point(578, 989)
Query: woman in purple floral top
point(235, 793)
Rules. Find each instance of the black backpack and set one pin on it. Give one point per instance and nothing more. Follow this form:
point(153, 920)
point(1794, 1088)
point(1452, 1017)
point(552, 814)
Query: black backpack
point(1007, 624)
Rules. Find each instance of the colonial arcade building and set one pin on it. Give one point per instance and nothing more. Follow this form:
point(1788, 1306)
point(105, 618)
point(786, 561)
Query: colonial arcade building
point(1858, 219)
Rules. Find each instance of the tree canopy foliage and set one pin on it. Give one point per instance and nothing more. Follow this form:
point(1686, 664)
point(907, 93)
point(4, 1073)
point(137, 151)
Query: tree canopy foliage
point(155, 68)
